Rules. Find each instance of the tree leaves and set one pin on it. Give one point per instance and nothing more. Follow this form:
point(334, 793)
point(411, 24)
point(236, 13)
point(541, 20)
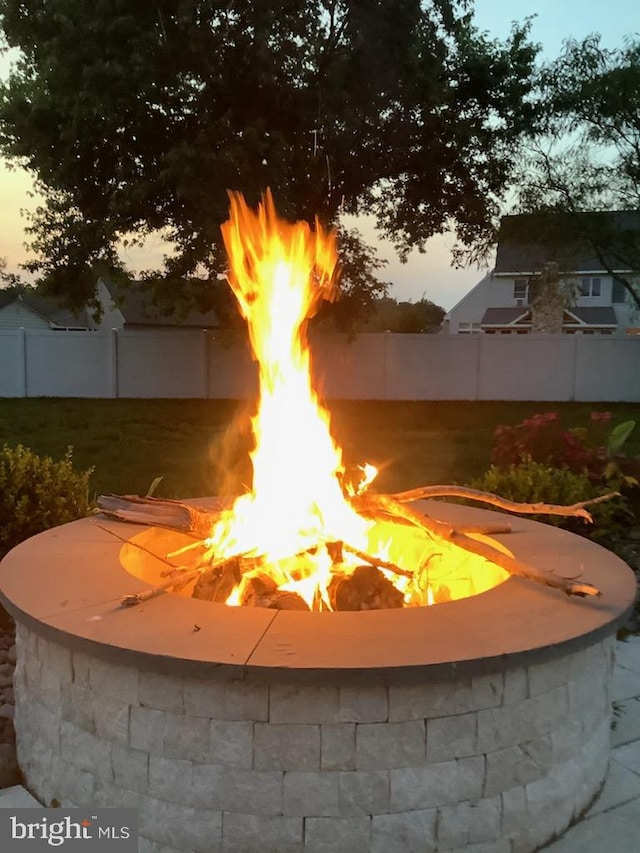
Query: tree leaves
point(139, 118)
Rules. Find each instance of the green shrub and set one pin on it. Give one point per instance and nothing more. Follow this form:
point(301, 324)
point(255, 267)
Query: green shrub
point(535, 482)
point(37, 493)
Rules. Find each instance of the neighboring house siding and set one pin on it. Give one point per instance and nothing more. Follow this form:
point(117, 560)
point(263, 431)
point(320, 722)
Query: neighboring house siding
point(16, 315)
point(497, 291)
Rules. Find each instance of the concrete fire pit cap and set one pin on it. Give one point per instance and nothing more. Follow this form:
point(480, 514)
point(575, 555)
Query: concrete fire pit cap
point(68, 582)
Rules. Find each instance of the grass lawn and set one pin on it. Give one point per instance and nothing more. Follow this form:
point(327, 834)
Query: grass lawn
point(200, 447)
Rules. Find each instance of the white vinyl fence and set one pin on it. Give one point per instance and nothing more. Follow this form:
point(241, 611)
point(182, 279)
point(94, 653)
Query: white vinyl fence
point(188, 364)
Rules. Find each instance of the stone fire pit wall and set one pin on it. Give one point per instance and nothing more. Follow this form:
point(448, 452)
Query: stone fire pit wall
point(479, 725)
point(493, 763)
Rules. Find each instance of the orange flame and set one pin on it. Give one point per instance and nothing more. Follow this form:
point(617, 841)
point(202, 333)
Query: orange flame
point(279, 273)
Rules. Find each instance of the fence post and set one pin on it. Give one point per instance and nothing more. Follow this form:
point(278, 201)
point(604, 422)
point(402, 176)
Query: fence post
point(22, 361)
point(205, 363)
point(113, 363)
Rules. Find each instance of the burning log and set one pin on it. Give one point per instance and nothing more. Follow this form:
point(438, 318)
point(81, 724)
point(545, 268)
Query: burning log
point(388, 505)
point(161, 513)
point(261, 591)
point(218, 582)
point(366, 588)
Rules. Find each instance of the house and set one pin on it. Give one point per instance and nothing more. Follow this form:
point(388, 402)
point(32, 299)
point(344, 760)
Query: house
point(501, 303)
point(133, 307)
point(127, 308)
point(28, 310)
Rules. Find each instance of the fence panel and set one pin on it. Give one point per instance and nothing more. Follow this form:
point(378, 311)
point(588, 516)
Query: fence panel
point(67, 364)
point(186, 364)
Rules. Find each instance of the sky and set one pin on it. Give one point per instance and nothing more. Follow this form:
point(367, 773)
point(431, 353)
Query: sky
point(429, 275)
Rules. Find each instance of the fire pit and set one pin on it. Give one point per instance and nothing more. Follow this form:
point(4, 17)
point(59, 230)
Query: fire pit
point(351, 675)
point(478, 724)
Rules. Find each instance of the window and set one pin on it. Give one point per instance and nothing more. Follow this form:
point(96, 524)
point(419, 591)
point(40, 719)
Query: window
point(521, 291)
point(618, 292)
point(590, 286)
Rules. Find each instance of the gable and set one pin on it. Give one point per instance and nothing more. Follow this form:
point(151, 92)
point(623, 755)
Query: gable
point(16, 314)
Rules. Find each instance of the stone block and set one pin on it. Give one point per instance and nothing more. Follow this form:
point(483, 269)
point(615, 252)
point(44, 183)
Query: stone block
point(110, 795)
point(245, 832)
point(418, 701)
point(386, 745)
point(146, 729)
point(290, 703)
point(424, 787)
point(451, 737)
point(77, 706)
point(86, 751)
point(487, 691)
point(404, 833)
point(336, 835)
point(517, 765)
point(32, 672)
point(567, 739)
point(516, 685)
point(364, 792)
point(514, 811)
point(58, 658)
point(160, 691)
point(114, 680)
point(548, 674)
point(518, 722)
point(186, 737)
point(180, 827)
point(286, 746)
point(311, 794)
point(364, 704)
point(226, 700)
point(338, 746)
point(45, 722)
point(81, 668)
point(49, 689)
point(130, 768)
point(452, 826)
point(251, 791)
point(485, 820)
point(471, 775)
point(170, 779)
point(112, 720)
point(231, 743)
point(69, 782)
point(207, 782)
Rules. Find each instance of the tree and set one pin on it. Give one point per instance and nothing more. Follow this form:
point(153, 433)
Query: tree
point(583, 176)
point(405, 317)
point(137, 117)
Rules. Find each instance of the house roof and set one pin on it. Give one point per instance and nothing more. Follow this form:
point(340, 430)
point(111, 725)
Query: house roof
point(137, 306)
point(48, 309)
point(503, 316)
point(600, 317)
point(568, 241)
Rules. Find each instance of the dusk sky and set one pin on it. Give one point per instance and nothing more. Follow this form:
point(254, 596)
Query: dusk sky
point(429, 274)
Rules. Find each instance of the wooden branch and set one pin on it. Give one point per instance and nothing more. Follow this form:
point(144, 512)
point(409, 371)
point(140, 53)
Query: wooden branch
point(376, 561)
point(575, 510)
point(183, 578)
point(390, 506)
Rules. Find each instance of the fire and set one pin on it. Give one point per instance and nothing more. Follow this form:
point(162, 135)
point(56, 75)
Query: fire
point(296, 529)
